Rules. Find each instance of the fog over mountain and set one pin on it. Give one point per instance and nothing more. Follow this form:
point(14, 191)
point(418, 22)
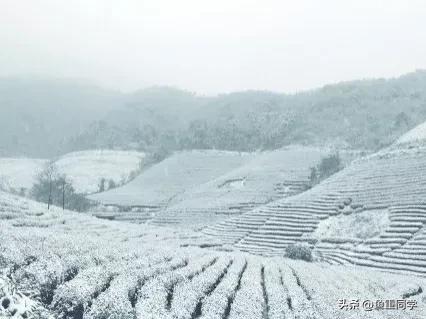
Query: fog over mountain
point(42, 118)
point(37, 116)
point(235, 75)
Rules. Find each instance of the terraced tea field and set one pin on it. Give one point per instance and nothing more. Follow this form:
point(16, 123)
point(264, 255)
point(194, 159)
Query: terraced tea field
point(366, 226)
point(157, 187)
point(198, 188)
point(58, 264)
point(267, 177)
point(385, 190)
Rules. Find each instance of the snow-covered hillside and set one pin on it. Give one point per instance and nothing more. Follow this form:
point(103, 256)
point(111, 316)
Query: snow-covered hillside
point(86, 169)
point(391, 184)
point(267, 177)
point(159, 185)
point(18, 174)
point(56, 264)
point(416, 135)
point(201, 187)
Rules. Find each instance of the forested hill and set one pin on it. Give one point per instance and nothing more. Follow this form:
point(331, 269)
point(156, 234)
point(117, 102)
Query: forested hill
point(366, 114)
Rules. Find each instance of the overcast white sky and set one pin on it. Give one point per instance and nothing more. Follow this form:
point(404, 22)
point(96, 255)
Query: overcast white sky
point(212, 46)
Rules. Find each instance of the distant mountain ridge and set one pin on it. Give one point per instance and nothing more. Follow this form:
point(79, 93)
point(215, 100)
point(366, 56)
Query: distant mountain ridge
point(38, 116)
point(43, 118)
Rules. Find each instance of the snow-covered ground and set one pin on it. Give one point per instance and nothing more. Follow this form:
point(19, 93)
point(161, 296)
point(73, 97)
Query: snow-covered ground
point(86, 169)
point(72, 265)
point(266, 177)
point(370, 216)
point(363, 225)
point(417, 134)
point(160, 184)
point(371, 213)
point(202, 187)
point(18, 174)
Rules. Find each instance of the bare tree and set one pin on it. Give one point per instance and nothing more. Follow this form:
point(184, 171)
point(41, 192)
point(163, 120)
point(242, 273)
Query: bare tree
point(56, 189)
point(50, 173)
point(63, 194)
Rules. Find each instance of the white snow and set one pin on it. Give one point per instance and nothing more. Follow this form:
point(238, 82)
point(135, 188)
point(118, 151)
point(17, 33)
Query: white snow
point(267, 176)
point(363, 225)
point(417, 134)
point(161, 183)
point(371, 213)
point(99, 267)
point(93, 268)
point(19, 173)
point(201, 187)
point(86, 169)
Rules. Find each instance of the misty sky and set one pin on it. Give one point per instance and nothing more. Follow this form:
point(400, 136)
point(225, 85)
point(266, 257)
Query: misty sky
point(212, 46)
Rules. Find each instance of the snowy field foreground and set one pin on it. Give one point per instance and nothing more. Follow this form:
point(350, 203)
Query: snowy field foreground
point(58, 264)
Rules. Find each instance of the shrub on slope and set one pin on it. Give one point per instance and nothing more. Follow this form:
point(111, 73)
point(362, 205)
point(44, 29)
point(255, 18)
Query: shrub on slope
point(299, 251)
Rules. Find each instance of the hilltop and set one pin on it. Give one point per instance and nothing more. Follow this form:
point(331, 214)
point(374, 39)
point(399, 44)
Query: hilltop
point(87, 169)
point(159, 185)
point(416, 135)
